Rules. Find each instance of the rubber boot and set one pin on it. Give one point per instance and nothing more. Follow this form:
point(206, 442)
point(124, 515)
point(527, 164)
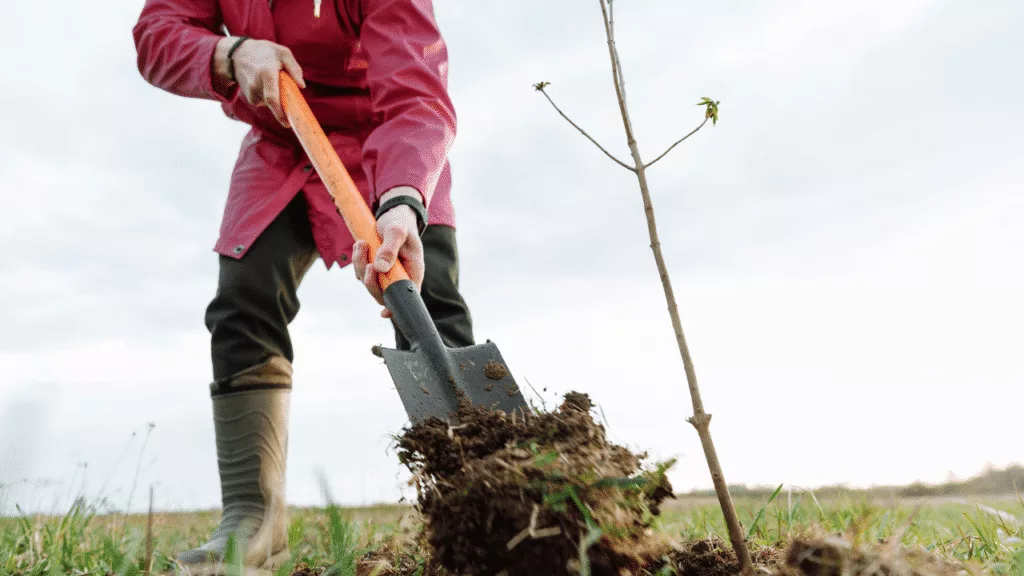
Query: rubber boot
point(251, 425)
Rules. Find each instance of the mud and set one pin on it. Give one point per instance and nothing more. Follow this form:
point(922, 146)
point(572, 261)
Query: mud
point(703, 558)
point(544, 493)
point(803, 556)
point(838, 557)
point(548, 494)
point(495, 370)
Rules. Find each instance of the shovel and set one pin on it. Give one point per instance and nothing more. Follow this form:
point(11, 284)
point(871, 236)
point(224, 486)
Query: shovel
point(431, 378)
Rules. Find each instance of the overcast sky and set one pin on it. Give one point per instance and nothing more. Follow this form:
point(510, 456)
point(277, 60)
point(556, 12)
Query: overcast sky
point(845, 247)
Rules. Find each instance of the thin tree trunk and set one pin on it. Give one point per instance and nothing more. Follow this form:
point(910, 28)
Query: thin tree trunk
point(700, 419)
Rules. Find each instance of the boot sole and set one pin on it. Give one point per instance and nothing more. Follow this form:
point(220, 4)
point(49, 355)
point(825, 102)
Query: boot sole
point(218, 569)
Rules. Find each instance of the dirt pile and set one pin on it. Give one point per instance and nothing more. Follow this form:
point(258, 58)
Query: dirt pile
point(831, 556)
point(541, 493)
point(701, 558)
point(406, 555)
point(547, 494)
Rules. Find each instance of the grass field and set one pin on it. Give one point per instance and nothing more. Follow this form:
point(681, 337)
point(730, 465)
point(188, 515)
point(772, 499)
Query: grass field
point(985, 534)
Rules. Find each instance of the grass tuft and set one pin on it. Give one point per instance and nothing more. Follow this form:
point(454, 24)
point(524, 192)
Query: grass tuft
point(986, 535)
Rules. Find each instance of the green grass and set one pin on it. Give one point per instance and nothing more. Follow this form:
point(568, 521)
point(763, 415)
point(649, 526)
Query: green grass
point(987, 533)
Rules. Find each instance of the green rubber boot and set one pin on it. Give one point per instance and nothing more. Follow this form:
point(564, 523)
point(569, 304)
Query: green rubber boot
point(251, 425)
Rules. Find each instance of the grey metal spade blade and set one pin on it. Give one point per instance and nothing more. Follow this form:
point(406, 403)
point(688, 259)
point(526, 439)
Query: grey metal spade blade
point(428, 391)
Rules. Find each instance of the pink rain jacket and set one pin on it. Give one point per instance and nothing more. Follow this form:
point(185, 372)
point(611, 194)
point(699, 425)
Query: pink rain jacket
point(376, 76)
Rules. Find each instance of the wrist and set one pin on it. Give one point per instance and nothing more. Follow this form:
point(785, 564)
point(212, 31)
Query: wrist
point(224, 55)
point(401, 191)
point(221, 68)
point(404, 196)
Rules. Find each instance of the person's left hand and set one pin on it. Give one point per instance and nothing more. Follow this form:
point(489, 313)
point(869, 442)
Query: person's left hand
point(399, 239)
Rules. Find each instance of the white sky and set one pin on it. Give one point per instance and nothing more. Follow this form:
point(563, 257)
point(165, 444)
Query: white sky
point(844, 246)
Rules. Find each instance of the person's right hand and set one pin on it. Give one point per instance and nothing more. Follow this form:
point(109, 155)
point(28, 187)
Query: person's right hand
point(257, 64)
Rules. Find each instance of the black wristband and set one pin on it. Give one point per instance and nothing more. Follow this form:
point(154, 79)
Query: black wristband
point(410, 201)
point(231, 52)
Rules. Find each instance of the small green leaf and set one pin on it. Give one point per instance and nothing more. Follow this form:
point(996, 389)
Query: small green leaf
point(710, 109)
point(540, 86)
point(545, 459)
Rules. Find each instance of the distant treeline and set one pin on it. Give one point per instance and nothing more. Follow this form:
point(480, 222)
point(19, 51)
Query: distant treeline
point(990, 482)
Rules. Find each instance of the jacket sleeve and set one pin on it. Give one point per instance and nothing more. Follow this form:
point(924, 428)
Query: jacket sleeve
point(174, 41)
point(407, 73)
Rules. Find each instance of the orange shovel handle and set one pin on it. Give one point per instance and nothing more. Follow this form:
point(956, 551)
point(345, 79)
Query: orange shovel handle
point(350, 203)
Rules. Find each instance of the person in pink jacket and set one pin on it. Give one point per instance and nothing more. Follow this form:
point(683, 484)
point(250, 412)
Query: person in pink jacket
point(374, 72)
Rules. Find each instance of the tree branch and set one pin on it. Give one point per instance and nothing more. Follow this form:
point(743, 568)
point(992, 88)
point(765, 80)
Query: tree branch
point(665, 153)
point(540, 88)
point(620, 89)
point(620, 80)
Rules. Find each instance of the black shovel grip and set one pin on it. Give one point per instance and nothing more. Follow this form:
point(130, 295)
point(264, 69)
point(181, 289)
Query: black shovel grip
point(413, 320)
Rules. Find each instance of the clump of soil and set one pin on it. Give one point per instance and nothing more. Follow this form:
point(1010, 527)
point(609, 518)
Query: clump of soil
point(537, 493)
point(547, 494)
point(703, 558)
point(830, 556)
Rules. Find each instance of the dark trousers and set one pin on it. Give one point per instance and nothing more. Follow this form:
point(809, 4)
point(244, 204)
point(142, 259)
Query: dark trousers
point(257, 297)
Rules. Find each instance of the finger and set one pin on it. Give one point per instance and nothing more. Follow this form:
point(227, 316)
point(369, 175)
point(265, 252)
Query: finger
point(394, 238)
point(385, 313)
point(370, 278)
point(291, 65)
point(272, 97)
point(372, 283)
point(412, 258)
point(360, 257)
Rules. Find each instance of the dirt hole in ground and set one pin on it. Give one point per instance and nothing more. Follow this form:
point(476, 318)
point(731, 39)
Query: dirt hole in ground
point(546, 493)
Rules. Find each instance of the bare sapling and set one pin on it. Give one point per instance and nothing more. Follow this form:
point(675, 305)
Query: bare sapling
point(700, 420)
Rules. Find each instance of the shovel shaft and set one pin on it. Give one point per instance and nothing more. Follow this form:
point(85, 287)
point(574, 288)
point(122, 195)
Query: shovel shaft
point(431, 378)
point(350, 203)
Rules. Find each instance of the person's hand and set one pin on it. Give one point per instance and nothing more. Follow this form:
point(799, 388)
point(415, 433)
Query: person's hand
point(257, 64)
point(399, 239)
